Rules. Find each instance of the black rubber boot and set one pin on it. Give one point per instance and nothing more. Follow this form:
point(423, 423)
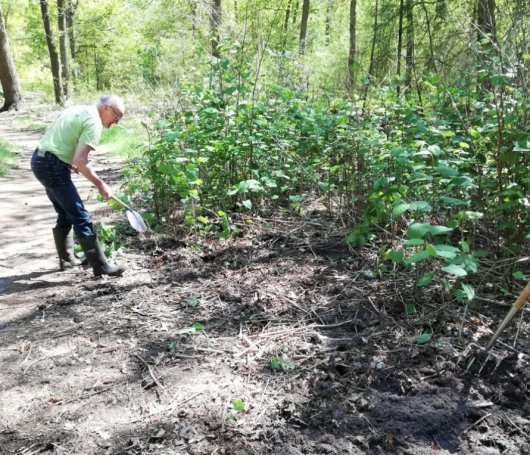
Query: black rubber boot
point(96, 257)
point(64, 243)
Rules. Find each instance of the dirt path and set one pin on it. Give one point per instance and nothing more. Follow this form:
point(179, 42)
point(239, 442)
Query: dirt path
point(280, 341)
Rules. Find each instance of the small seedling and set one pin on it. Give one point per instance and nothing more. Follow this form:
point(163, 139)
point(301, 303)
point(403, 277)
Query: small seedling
point(281, 362)
point(192, 303)
point(172, 346)
point(236, 406)
point(195, 328)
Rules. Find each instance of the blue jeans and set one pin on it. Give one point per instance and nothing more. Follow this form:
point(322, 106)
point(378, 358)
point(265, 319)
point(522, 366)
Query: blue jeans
point(55, 176)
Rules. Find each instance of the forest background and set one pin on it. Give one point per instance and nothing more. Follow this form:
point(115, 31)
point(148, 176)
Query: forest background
point(406, 121)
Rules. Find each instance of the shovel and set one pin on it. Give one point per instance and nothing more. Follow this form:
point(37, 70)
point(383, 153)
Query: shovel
point(135, 219)
point(518, 304)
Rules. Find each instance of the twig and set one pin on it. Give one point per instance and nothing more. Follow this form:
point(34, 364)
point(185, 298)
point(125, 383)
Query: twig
point(156, 381)
point(331, 326)
point(438, 373)
point(513, 423)
point(477, 422)
point(88, 395)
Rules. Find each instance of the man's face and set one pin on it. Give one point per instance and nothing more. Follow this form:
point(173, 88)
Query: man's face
point(112, 115)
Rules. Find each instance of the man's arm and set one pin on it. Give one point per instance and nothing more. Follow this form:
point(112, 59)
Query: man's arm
point(80, 163)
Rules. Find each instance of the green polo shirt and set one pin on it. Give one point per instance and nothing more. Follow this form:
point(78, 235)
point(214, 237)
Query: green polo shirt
point(76, 124)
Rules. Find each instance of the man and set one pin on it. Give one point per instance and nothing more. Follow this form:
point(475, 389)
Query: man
point(64, 148)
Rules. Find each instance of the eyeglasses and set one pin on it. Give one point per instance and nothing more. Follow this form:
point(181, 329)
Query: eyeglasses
point(117, 115)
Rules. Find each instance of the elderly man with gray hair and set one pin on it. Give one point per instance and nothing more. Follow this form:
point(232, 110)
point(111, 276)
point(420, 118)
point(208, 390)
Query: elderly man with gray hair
point(63, 149)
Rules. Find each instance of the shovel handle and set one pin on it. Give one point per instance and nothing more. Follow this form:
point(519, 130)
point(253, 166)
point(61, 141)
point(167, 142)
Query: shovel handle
point(523, 297)
point(518, 304)
point(119, 201)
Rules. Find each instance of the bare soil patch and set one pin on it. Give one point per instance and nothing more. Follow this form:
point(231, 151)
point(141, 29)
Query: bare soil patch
point(283, 340)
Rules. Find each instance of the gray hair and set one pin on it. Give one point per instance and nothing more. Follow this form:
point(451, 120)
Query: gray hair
point(111, 100)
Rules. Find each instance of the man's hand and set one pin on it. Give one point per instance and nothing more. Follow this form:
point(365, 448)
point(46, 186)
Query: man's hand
point(104, 190)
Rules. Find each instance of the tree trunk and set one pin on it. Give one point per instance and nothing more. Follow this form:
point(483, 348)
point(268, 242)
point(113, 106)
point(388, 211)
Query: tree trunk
point(399, 46)
point(287, 13)
point(295, 10)
point(8, 75)
point(409, 33)
point(431, 63)
point(486, 24)
point(372, 53)
point(70, 23)
point(329, 20)
point(303, 26)
point(54, 56)
point(63, 46)
point(350, 81)
point(215, 24)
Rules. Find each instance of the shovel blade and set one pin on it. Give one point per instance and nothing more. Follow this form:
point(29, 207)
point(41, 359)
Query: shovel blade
point(136, 221)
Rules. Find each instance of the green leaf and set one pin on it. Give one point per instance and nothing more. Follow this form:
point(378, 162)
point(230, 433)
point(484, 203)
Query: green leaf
point(418, 257)
point(465, 247)
point(198, 327)
point(425, 279)
point(468, 215)
point(395, 256)
point(247, 204)
point(424, 338)
point(469, 291)
point(414, 242)
point(275, 363)
point(454, 269)
point(519, 275)
point(418, 230)
point(399, 209)
point(420, 206)
point(451, 201)
point(410, 308)
point(446, 171)
point(440, 230)
point(431, 250)
point(505, 292)
point(172, 346)
point(238, 405)
point(202, 219)
point(446, 251)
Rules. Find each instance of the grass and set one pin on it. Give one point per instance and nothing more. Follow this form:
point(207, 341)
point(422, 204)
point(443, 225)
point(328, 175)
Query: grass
point(7, 156)
point(28, 122)
point(124, 140)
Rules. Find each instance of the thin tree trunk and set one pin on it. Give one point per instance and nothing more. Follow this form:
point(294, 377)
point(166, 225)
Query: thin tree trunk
point(399, 46)
point(329, 20)
point(432, 60)
point(372, 53)
point(70, 24)
point(287, 13)
point(63, 47)
point(409, 55)
point(215, 24)
point(486, 23)
point(8, 75)
point(54, 56)
point(303, 26)
point(295, 11)
point(350, 81)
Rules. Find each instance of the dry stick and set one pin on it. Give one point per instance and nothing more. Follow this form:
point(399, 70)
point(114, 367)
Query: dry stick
point(88, 395)
point(171, 407)
point(513, 423)
point(477, 422)
point(157, 382)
